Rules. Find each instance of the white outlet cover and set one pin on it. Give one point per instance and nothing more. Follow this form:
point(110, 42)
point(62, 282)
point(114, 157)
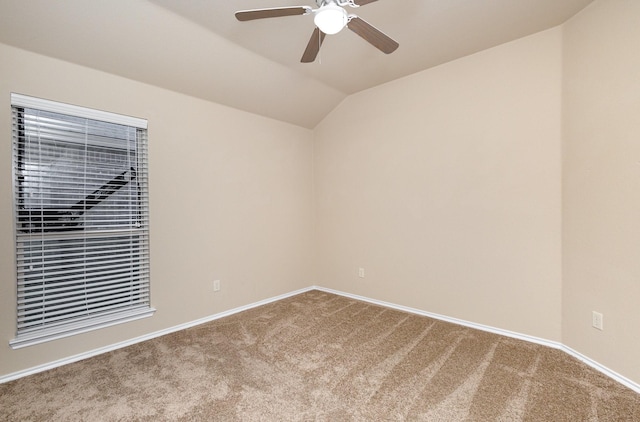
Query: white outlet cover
point(598, 320)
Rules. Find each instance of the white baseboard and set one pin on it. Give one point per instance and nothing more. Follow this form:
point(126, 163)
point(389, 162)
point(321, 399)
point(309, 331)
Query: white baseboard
point(553, 344)
point(606, 371)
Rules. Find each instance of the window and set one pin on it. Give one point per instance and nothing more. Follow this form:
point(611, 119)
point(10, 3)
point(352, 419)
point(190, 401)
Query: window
point(82, 220)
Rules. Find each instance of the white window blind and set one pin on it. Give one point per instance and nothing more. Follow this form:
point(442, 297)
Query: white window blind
point(82, 219)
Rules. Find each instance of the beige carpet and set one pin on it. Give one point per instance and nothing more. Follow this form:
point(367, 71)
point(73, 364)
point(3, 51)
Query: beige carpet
point(321, 357)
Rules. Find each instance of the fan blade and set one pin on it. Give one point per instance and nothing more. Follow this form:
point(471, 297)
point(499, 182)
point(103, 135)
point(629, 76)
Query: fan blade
point(249, 15)
point(311, 52)
point(372, 35)
point(363, 2)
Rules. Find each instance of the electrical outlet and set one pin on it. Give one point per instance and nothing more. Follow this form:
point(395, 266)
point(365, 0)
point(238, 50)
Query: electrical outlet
point(361, 272)
point(597, 320)
point(216, 285)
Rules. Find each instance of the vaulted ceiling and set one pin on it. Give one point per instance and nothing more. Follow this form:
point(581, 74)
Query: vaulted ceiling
point(197, 47)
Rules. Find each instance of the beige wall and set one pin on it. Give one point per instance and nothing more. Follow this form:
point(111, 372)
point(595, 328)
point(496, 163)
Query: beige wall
point(601, 182)
point(445, 187)
point(231, 198)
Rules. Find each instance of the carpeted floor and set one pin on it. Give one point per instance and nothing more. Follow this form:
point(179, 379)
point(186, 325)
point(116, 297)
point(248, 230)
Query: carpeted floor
point(321, 357)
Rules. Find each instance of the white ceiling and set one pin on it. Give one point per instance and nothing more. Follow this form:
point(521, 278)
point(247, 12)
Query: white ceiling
point(198, 47)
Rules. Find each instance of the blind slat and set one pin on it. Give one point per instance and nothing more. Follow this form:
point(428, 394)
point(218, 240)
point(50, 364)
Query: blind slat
point(26, 284)
point(27, 301)
point(75, 316)
point(60, 305)
point(73, 259)
point(34, 333)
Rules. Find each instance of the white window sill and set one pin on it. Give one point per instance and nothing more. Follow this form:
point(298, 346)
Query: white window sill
point(79, 327)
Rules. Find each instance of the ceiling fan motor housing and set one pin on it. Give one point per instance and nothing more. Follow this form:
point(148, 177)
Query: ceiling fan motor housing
point(342, 3)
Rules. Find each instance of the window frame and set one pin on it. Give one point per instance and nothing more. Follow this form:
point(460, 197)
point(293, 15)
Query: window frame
point(90, 323)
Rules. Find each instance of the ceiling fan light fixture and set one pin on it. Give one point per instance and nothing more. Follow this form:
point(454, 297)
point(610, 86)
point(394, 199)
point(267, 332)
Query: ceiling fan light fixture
point(331, 18)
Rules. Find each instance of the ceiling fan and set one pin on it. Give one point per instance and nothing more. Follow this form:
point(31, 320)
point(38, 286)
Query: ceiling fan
point(330, 17)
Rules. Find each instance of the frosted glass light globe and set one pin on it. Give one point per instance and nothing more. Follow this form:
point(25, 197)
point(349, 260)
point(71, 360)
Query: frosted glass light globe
point(331, 19)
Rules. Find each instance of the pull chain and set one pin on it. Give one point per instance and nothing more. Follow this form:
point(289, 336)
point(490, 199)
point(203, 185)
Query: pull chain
point(319, 47)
